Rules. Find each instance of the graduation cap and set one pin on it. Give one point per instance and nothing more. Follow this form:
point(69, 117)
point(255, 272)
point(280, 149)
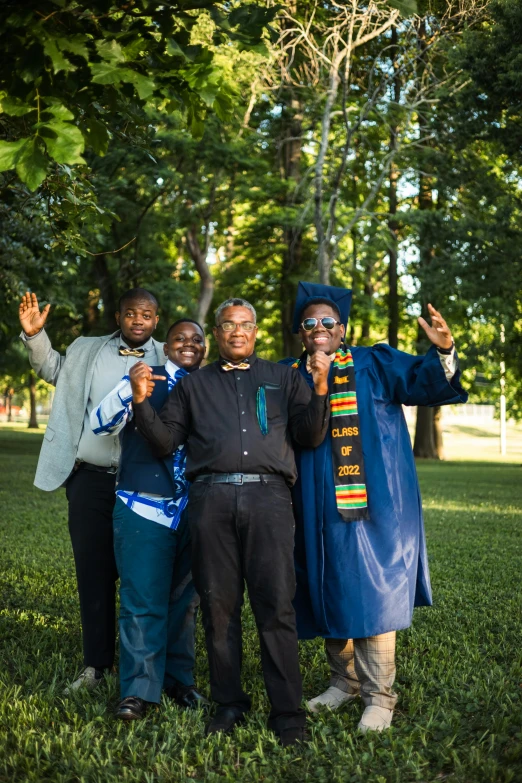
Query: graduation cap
point(342, 297)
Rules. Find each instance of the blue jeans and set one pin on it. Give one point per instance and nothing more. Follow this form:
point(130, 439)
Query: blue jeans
point(158, 604)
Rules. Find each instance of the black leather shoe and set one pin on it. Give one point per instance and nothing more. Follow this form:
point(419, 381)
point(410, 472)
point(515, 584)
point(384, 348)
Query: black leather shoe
point(186, 696)
point(131, 708)
point(293, 736)
point(224, 721)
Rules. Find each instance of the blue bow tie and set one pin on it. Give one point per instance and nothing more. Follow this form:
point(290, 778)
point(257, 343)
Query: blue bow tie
point(180, 372)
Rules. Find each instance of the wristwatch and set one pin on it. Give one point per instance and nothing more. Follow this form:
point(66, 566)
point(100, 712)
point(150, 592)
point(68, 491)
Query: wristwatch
point(446, 351)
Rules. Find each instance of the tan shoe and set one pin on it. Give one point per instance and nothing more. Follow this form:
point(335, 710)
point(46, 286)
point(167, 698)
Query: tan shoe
point(332, 698)
point(90, 678)
point(375, 719)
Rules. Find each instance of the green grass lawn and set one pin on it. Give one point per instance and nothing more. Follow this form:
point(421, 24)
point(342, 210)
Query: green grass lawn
point(459, 717)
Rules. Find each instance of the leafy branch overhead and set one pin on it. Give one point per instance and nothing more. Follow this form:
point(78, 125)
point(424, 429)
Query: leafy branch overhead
point(76, 74)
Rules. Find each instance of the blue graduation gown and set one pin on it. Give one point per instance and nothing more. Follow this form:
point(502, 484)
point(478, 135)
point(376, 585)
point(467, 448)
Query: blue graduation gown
point(362, 578)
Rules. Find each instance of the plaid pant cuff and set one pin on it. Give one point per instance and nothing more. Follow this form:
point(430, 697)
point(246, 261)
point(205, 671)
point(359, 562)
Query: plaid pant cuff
point(388, 702)
point(341, 683)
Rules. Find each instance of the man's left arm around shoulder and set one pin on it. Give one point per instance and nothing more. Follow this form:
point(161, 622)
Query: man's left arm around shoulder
point(309, 415)
point(164, 432)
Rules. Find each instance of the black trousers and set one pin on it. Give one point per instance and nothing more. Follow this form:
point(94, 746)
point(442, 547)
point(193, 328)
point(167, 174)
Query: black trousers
point(245, 534)
point(91, 502)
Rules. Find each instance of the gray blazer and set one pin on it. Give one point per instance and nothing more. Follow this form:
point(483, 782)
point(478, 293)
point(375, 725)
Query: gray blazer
point(72, 376)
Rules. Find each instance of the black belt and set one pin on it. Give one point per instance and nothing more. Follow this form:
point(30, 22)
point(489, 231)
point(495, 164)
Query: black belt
point(238, 478)
point(95, 468)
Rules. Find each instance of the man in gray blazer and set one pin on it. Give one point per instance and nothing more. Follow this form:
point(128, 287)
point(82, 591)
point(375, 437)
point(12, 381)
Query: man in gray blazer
point(72, 456)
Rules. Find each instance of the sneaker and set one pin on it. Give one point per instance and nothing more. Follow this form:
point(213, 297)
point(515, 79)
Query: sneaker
point(333, 698)
point(90, 678)
point(375, 719)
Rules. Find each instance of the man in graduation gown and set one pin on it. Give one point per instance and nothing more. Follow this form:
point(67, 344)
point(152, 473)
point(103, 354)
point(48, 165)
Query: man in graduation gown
point(361, 560)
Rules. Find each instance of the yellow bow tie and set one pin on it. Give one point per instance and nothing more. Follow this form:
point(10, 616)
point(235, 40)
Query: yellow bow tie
point(131, 352)
point(227, 366)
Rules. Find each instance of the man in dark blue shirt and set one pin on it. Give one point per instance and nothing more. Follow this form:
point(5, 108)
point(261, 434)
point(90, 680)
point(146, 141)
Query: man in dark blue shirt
point(158, 600)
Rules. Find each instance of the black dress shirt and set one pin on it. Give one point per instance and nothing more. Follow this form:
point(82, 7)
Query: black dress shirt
point(215, 412)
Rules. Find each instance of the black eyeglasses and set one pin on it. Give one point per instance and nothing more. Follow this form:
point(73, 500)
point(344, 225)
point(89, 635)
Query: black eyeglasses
point(328, 322)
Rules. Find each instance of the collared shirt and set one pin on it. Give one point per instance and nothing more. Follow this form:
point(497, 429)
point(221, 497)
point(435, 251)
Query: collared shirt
point(108, 370)
point(216, 413)
point(448, 361)
point(110, 418)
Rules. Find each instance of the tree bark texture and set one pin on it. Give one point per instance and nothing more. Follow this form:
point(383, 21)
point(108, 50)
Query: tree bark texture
point(393, 291)
point(424, 446)
point(107, 291)
point(424, 443)
point(293, 234)
point(206, 285)
point(33, 422)
point(437, 432)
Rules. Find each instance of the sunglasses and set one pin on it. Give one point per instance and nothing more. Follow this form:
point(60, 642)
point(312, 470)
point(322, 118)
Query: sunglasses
point(328, 322)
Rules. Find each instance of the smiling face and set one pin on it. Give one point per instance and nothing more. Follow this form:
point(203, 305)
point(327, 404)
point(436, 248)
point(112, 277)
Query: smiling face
point(237, 344)
point(185, 345)
point(137, 320)
point(320, 338)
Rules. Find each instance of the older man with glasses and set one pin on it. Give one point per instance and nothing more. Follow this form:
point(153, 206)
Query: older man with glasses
point(239, 416)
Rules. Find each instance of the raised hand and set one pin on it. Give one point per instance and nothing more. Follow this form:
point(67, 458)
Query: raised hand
point(31, 319)
point(320, 367)
point(142, 381)
point(439, 332)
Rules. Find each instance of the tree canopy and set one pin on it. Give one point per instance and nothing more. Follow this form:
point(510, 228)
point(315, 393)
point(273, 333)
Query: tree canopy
point(205, 149)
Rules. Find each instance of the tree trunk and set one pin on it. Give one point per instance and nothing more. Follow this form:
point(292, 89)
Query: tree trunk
point(206, 285)
point(33, 423)
point(293, 235)
point(369, 291)
point(324, 262)
point(437, 432)
point(351, 327)
point(393, 292)
point(424, 443)
point(424, 446)
point(107, 291)
point(8, 404)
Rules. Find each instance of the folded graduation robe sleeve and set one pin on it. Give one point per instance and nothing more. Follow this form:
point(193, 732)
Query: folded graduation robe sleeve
point(415, 380)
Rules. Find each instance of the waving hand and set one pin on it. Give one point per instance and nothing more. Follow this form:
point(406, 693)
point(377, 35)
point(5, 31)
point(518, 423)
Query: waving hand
point(31, 319)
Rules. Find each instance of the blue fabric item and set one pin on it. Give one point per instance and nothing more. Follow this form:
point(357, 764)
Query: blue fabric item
point(363, 579)
point(341, 296)
point(158, 604)
point(261, 410)
point(140, 471)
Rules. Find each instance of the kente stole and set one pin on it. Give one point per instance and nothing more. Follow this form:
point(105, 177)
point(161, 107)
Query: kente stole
point(347, 454)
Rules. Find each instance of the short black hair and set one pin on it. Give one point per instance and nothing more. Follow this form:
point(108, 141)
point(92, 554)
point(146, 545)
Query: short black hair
point(317, 300)
point(137, 293)
point(183, 321)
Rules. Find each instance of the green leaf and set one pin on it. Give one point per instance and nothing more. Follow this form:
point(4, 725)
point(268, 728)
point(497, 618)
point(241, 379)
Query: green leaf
point(406, 7)
point(9, 151)
point(31, 165)
point(144, 86)
point(60, 63)
point(75, 44)
point(57, 109)
point(105, 73)
point(223, 105)
point(174, 49)
point(110, 51)
point(68, 144)
point(96, 135)
point(12, 106)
